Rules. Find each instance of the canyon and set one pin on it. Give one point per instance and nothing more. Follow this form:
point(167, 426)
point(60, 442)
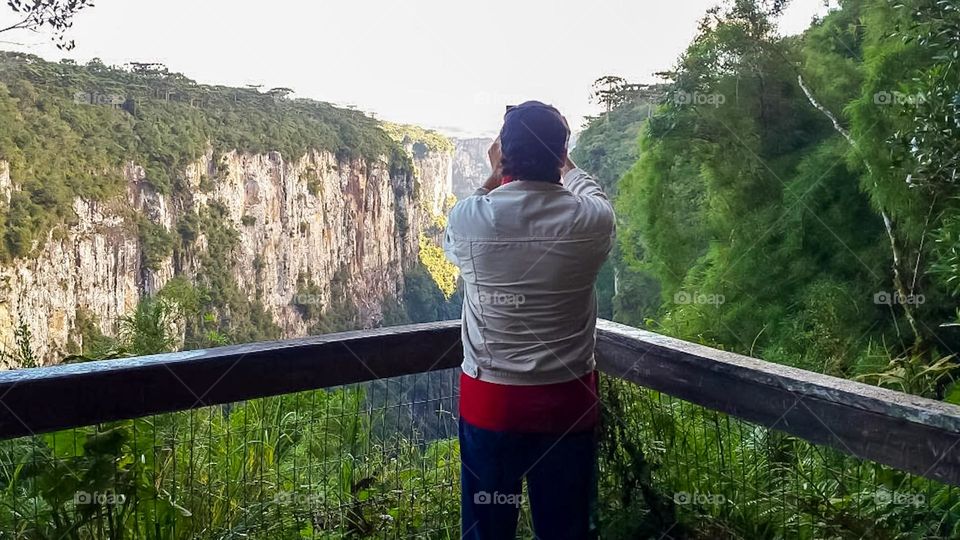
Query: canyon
point(250, 214)
point(300, 219)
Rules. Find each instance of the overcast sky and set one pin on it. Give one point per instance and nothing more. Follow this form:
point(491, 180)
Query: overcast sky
point(439, 63)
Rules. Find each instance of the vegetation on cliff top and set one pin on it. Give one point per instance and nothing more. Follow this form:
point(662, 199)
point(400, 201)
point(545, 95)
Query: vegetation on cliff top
point(607, 147)
point(409, 134)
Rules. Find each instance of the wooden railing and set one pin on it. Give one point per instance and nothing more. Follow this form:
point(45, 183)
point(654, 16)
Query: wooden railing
point(912, 434)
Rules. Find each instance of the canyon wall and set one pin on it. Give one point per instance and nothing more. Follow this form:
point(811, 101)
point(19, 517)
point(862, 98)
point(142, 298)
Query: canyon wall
point(471, 166)
point(295, 219)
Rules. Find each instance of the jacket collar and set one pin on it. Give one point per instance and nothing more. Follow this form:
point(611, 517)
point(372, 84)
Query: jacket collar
point(531, 185)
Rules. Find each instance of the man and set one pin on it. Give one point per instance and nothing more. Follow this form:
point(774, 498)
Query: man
point(529, 245)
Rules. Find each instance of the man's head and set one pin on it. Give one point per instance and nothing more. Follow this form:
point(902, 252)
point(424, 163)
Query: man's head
point(533, 142)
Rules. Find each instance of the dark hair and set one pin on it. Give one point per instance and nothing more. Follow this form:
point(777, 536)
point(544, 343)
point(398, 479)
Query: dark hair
point(533, 142)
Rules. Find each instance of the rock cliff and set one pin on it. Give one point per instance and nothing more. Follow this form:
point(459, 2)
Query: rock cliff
point(294, 219)
point(470, 165)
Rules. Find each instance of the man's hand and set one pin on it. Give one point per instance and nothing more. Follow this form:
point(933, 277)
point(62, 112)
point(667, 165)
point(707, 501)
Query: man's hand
point(495, 155)
point(496, 166)
point(568, 165)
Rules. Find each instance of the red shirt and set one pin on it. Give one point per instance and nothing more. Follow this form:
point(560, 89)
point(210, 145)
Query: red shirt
point(559, 408)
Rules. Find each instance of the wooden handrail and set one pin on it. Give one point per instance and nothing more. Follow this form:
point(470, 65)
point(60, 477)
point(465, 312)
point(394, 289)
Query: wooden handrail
point(47, 399)
point(913, 434)
point(910, 433)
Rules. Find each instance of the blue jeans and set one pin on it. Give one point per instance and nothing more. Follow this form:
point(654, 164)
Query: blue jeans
point(561, 483)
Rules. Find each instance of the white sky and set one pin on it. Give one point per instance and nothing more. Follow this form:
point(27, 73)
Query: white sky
point(443, 64)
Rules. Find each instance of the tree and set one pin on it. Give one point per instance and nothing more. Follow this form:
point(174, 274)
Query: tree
point(612, 91)
point(149, 69)
point(279, 94)
point(57, 15)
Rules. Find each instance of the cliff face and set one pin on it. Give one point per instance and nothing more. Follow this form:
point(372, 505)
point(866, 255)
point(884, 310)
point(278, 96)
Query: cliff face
point(5, 185)
point(471, 166)
point(304, 218)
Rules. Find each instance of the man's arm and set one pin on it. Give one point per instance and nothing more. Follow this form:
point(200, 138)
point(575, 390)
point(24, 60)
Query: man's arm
point(580, 183)
point(496, 167)
point(451, 246)
point(596, 205)
point(492, 183)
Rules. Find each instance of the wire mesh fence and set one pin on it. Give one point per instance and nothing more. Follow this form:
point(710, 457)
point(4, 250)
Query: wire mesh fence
point(372, 460)
point(380, 460)
point(672, 469)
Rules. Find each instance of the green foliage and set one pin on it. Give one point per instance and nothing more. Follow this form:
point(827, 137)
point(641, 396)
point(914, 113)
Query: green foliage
point(150, 329)
point(95, 343)
point(218, 307)
point(946, 252)
point(425, 301)
point(54, 156)
point(443, 272)
point(753, 217)
point(427, 140)
point(394, 314)
point(299, 465)
point(341, 312)
point(798, 213)
point(607, 147)
point(308, 299)
point(22, 354)
point(156, 243)
point(312, 178)
point(701, 474)
point(913, 374)
point(752, 197)
point(327, 464)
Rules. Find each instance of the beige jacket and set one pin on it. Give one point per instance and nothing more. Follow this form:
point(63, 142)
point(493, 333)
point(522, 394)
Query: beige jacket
point(529, 254)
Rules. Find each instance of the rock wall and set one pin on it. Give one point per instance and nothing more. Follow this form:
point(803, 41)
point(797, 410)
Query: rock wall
point(309, 216)
point(6, 186)
point(471, 166)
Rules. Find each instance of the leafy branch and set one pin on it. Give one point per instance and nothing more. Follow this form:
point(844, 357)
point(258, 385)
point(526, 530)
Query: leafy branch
point(57, 15)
